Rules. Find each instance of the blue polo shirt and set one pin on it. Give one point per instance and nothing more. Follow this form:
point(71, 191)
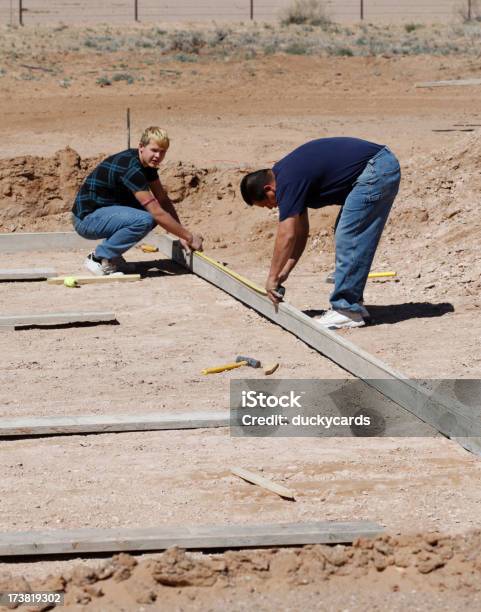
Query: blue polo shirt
point(320, 172)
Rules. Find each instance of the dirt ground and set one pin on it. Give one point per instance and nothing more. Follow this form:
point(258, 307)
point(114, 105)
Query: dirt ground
point(224, 117)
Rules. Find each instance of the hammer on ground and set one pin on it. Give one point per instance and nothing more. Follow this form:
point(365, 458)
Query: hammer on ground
point(239, 362)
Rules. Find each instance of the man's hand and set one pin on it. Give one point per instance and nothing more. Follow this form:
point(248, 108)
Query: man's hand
point(185, 245)
point(271, 288)
point(194, 244)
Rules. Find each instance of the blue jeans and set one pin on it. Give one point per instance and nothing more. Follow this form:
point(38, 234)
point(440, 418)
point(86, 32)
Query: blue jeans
point(360, 226)
point(121, 226)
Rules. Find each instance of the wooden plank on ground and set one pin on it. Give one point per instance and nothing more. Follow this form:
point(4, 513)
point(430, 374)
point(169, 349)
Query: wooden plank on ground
point(85, 424)
point(43, 241)
point(189, 537)
point(450, 83)
point(451, 418)
point(89, 280)
point(263, 482)
point(57, 318)
point(21, 274)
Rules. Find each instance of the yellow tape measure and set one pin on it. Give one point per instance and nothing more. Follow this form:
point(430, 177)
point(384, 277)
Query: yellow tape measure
point(235, 275)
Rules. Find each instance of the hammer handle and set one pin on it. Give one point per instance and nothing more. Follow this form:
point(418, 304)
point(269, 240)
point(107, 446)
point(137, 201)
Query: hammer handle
point(223, 368)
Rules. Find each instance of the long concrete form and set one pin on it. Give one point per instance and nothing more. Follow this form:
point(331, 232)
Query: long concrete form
point(450, 418)
point(447, 416)
point(451, 83)
point(56, 318)
point(26, 274)
point(42, 241)
point(86, 424)
point(189, 537)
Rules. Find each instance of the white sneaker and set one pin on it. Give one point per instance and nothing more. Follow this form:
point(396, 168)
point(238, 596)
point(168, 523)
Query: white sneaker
point(104, 267)
point(341, 319)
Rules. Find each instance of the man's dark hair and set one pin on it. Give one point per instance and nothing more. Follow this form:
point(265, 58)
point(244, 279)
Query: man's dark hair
point(252, 186)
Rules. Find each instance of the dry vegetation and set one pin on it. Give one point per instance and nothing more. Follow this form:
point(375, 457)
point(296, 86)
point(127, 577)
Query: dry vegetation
point(311, 35)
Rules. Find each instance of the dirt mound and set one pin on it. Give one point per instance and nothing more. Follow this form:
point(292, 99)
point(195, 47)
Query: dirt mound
point(437, 562)
point(443, 190)
point(435, 226)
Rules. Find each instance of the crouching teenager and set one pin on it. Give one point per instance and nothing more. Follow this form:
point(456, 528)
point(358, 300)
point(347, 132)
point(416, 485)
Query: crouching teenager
point(122, 200)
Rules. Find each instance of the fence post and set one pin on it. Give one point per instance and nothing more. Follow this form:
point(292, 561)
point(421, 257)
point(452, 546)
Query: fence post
point(20, 12)
point(252, 9)
point(136, 10)
point(361, 9)
point(470, 10)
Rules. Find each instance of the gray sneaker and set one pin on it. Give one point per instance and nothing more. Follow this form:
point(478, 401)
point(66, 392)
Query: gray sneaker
point(101, 267)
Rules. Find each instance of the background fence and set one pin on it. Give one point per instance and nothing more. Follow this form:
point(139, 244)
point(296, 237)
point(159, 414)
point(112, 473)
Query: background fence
point(26, 12)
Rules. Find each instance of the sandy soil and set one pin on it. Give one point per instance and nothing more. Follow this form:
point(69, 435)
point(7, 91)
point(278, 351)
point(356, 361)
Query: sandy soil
point(172, 325)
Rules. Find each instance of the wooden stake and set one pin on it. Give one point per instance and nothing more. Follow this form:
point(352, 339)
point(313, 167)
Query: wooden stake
point(265, 483)
point(92, 280)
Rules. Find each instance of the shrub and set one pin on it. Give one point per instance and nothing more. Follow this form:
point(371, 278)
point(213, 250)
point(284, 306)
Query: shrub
point(103, 81)
point(411, 27)
point(123, 76)
point(184, 58)
point(312, 12)
point(187, 42)
point(343, 51)
point(297, 49)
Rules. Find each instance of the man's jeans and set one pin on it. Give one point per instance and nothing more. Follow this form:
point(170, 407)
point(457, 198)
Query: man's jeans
point(122, 226)
point(360, 226)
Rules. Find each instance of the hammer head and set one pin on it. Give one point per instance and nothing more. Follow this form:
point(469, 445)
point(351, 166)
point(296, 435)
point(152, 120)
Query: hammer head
point(253, 363)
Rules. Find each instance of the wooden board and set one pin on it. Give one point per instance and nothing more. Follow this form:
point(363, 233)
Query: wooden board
point(88, 280)
point(446, 416)
point(58, 318)
point(450, 83)
point(41, 426)
point(21, 274)
point(188, 537)
point(263, 482)
point(43, 241)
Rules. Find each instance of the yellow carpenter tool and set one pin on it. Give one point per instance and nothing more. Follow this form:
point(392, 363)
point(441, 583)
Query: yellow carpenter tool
point(149, 248)
point(225, 269)
point(330, 278)
point(239, 362)
point(223, 368)
point(380, 274)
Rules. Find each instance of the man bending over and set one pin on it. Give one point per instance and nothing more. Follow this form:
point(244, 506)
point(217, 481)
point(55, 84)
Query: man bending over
point(363, 178)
